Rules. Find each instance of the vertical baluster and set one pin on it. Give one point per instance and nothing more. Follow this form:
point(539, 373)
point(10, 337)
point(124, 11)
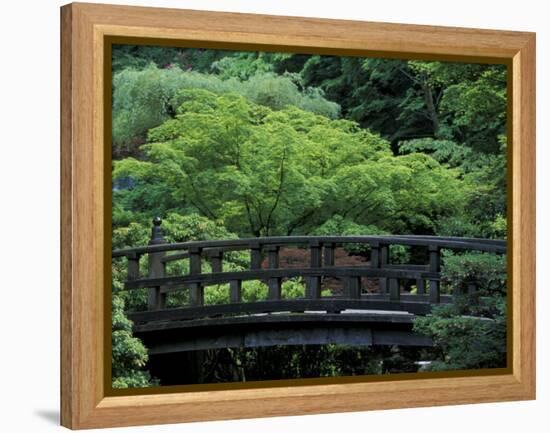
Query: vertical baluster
point(375, 259)
point(235, 291)
point(195, 260)
point(328, 254)
point(471, 288)
point(133, 266)
point(196, 290)
point(216, 261)
point(314, 283)
point(155, 299)
point(420, 286)
point(395, 292)
point(273, 283)
point(353, 286)
point(255, 255)
point(384, 260)
point(458, 291)
point(434, 267)
point(374, 254)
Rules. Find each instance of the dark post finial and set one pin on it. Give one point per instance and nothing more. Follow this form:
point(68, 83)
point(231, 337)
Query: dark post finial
point(156, 232)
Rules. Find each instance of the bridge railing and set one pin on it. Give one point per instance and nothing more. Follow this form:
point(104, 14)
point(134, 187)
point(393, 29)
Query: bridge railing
point(321, 265)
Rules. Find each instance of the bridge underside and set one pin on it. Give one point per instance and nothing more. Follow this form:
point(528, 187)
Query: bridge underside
point(350, 328)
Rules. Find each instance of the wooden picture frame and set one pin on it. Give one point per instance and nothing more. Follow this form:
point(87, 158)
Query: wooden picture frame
point(87, 30)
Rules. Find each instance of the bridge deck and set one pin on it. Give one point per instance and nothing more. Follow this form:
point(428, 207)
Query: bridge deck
point(330, 305)
point(350, 327)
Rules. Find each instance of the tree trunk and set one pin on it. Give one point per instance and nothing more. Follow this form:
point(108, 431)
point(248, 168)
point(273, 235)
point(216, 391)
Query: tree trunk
point(430, 105)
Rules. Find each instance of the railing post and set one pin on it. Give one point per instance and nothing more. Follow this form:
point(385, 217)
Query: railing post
point(133, 266)
point(420, 286)
point(328, 253)
point(196, 290)
point(384, 260)
point(155, 299)
point(434, 267)
point(353, 285)
point(314, 283)
point(235, 291)
point(255, 255)
point(216, 258)
point(375, 254)
point(395, 293)
point(273, 283)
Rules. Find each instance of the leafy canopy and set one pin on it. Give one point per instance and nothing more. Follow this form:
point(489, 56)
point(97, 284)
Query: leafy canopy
point(266, 172)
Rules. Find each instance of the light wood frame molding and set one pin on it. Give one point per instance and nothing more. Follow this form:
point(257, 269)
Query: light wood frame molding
point(85, 399)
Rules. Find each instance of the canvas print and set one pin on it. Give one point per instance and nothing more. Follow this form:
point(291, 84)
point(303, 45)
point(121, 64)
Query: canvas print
point(299, 216)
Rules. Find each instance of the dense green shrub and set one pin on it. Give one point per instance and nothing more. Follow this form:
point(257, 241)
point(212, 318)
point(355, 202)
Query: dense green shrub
point(487, 271)
point(129, 355)
point(463, 341)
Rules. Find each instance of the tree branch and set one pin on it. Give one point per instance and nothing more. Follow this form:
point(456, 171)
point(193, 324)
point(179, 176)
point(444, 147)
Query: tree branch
point(279, 191)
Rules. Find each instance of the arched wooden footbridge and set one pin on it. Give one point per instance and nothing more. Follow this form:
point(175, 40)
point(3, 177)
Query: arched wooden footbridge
point(353, 317)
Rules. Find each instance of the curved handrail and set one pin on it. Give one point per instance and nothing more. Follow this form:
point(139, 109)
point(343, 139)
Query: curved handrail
point(485, 245)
